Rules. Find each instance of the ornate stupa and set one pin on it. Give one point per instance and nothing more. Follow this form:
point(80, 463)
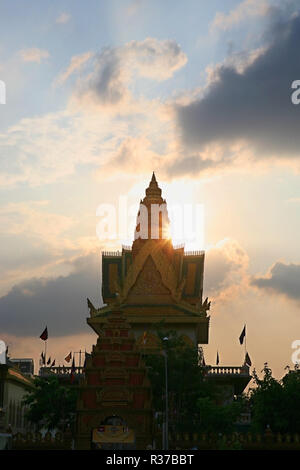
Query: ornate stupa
point(153, 281)
point(147, 283)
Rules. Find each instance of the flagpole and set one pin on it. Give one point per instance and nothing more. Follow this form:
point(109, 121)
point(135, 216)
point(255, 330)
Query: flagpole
point(245, 339)
point(45, 352)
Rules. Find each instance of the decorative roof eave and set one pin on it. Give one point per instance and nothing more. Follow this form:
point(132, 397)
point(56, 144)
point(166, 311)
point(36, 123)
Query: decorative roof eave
point(185, 308)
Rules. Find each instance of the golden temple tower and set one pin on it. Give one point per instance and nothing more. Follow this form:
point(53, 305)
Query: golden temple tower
point(153, 281)
point(148, 283)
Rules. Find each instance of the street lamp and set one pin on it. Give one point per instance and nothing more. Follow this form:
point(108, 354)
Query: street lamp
point(166, 383)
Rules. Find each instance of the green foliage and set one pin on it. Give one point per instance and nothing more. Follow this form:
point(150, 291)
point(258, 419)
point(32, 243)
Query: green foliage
point(291, 387)
point(275, 403)
point(220, 418)
point(51, 404)
point(191, 398)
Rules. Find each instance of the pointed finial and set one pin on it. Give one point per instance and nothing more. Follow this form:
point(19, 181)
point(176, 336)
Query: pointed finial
point(153, 188)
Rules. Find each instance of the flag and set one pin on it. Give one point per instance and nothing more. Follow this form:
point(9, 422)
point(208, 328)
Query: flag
point(69, 357)
point(145, 337)
point(53, 363)
point(218, 359)
point(73, 371)
point(242, 335)
point(44, 335)
point(248, 360)
point(86, 356)
point(49, 361)
point(203, 362)
point(42, 358)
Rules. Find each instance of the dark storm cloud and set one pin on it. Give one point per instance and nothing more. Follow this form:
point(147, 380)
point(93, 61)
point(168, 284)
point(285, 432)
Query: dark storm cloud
point(254, 104)
point(192, 164)
point(283, 279)
point(59, 303)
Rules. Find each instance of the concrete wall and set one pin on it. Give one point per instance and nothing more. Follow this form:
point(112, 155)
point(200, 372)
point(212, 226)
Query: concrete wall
point(14, 411)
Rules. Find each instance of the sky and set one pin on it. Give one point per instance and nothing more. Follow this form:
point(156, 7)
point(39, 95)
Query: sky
point(100, 94)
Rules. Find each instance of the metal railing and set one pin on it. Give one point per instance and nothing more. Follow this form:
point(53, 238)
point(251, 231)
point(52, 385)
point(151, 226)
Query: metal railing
point(178, 247)
point(194, 253)
point(60, 370)
point(126, 248)
point(228, 370)
point(111, 253)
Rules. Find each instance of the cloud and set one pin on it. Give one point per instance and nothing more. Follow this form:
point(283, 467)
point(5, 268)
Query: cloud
point(182, 166)
point(30, 218)
point(77, 62)
point(155, 59)
point(107, 85)
point(35, 242)
point(246, 115)
point(243, 11)
point(281, 279)
point(44, 149)
point(63, 18)
point(135, 154)
point(59, 303)
point(34, 55)
point(226, 266)
point(294, 200)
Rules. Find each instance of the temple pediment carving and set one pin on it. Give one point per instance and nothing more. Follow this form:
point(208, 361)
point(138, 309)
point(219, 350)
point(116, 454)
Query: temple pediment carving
point(154, 271)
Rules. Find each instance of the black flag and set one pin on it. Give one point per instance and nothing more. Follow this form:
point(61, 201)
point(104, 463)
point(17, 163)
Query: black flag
point(68, 357)
point(248, 360)
point(242, 335)
point(218, 359)
point(73, 370)
point(44, 335)
point(42, 358)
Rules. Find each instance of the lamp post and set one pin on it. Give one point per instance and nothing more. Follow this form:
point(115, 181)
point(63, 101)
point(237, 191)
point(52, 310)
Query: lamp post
point(166, 391)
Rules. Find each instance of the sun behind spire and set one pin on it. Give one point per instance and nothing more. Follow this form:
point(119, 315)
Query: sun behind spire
point(152, 220)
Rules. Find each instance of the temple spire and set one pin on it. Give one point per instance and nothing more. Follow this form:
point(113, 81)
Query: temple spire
point(153, 189)
point(152, 220)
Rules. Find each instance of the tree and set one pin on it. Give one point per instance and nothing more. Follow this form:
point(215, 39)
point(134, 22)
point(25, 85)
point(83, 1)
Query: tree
point(274, 402)
point(218, 418)
point(291, 388)
point(51, 404)
point(191, 397)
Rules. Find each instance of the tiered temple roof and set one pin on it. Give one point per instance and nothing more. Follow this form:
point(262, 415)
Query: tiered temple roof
point(152, 281)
